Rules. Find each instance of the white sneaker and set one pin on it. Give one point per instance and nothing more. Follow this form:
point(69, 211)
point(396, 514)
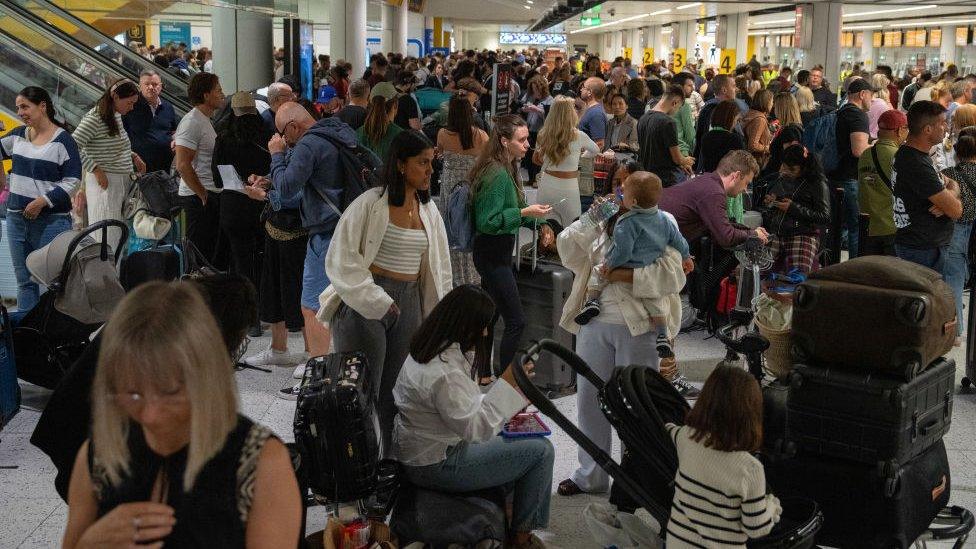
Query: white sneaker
point(299, 372)
point(272, 357)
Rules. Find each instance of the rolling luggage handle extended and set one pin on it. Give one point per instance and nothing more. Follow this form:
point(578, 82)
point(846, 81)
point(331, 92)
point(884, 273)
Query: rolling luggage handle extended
point(566, 355)
point(546, 406)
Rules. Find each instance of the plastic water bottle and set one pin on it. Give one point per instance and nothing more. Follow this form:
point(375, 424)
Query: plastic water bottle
point(603, 209)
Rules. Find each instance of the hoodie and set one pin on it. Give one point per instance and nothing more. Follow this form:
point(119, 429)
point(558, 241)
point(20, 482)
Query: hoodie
point(313, 167)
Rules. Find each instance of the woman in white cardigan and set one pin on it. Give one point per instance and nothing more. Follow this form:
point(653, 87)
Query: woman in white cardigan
point(623, 337)
point(389, 264)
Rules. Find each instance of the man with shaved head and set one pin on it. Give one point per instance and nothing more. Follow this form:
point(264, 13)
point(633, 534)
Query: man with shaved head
point(593, 121)
point(311, 169)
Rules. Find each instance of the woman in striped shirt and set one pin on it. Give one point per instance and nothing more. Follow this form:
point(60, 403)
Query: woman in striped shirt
point(106, 154)
point(720, 497)
point(45, 171)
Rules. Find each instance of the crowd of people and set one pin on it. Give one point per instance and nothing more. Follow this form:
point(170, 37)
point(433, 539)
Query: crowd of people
point(263, 186)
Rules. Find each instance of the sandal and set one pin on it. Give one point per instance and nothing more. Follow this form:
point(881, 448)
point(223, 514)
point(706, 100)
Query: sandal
point(568, 488)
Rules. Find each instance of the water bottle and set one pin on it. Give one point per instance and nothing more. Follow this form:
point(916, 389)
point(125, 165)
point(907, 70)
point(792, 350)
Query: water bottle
point(603, 209)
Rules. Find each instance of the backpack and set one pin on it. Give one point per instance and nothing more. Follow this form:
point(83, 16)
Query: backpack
point(360, 168)
point(458, 219)
point(820, 137)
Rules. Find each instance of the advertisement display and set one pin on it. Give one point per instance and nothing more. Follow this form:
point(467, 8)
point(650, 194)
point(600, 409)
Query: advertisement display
point(501, 88)
point(174, 32)
point(136, 33)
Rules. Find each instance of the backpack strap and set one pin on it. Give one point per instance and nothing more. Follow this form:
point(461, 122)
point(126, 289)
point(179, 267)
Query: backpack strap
point(877, 166)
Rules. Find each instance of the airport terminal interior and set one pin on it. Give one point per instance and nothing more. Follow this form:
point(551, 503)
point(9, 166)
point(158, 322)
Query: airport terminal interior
point(498, 273)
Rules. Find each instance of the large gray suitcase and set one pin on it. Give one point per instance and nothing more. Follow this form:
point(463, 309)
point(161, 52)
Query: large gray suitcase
point(543, 291)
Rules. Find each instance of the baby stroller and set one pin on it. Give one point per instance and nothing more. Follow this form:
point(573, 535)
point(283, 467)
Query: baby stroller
point(82, 278)
point(637, 403)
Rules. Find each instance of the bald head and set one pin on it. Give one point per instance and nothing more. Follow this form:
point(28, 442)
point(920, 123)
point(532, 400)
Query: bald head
point(292, 121)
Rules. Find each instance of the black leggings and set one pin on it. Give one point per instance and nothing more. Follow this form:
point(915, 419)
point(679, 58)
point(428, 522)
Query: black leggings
point(493, 260)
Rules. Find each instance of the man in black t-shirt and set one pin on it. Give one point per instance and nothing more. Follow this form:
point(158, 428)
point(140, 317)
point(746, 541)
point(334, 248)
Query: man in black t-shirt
point(354, 113)
point(851, 132)
point(657, 135)
point(926, 202)
point(408, 112)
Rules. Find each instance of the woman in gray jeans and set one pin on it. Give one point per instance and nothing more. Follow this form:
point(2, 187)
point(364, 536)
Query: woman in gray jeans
point(389, 266)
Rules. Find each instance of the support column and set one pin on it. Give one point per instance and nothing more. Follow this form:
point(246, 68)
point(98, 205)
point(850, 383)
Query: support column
point(616, 45)
point(636, 44)
point(948, 51)
point(387, 15)
point(733, 33)
point(689, 38)
point(825, 21)
point(242, 42)
point(400, 27)
point(867, 51)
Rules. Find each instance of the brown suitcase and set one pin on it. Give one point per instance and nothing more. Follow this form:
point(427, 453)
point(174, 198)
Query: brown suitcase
point(873, 314)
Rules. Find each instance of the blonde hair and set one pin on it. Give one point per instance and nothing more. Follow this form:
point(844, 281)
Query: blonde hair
point(163, 335)
point(558, 131)
point(805, 100)
point(786, 109)
point(880, 82)
point(963, 117)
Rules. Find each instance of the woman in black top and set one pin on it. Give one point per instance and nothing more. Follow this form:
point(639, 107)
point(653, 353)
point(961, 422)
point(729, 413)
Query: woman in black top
point(240, 144)
point(436, 78)
point(636, 98)
point(796, 206)
point(787, 112)
point(722, 138)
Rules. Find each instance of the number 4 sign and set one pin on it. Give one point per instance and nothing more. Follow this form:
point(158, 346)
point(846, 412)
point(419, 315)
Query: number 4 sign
point(726, 62)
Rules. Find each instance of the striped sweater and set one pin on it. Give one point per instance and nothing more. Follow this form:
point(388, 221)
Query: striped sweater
point(111, 153)
point(51, 170)
point(720, 498)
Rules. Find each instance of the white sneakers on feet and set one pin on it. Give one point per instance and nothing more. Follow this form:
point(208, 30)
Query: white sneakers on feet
point(274, 357)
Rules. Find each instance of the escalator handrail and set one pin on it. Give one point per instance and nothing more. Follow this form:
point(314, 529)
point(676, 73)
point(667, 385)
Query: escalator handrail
point(56, 35)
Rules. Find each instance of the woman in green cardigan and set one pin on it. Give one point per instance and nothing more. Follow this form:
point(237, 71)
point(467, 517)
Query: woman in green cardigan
point(499, 211)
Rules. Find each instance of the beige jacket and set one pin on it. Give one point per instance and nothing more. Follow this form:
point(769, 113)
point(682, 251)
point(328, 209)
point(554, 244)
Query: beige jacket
point(354, 246)
point(581, 247)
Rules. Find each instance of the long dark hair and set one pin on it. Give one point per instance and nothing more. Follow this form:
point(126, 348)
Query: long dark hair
point(460, 119)
point(37, 96)
point(495, 154)
point(461, 318)
point(407, 144)
point(798, 155)
point(106, 103)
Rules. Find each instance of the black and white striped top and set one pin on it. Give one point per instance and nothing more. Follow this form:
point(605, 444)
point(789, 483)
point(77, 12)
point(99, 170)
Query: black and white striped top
point(720, 498)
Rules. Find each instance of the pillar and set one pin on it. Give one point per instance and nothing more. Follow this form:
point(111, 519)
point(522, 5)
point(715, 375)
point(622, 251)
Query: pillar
point(689, 38)
point(733, 34)
point(242, 45)
point(400, 27)
point(347, 34)
point(825, 21)
point(616, 45)
point(636, 44)
point(867, 51)
point(947, 53)
point(387, 15)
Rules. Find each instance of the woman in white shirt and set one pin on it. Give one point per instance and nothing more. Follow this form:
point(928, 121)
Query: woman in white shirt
point(388, 265)
point(558, 151)
point(446, 434)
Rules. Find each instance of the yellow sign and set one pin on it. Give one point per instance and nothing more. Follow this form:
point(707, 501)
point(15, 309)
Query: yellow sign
point(648, 57)
point(679, 60)
point(726, 62)
point(628, 53)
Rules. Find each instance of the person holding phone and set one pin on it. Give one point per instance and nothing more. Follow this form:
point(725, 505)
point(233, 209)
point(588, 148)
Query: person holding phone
point(446, 434)
point(499, 211)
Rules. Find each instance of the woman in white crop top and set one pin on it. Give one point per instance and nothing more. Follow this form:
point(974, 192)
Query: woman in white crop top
point(558, 151)
point(388, 266)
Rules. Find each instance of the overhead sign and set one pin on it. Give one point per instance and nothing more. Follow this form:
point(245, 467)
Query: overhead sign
point(136, 33)
point(629, 53)
point(501, 88)
point(726, 61)
point(589, 21)
point(678, 60)
point(648, 56)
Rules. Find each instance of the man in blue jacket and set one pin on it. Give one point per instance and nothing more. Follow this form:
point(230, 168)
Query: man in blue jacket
point(313, 169)
point(151, 123)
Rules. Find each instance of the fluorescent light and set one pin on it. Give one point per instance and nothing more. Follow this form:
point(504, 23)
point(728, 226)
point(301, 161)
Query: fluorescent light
point(879, 12)
point(618, 21)
point(933, 23)
point(773, 22)
point(861, 27)
point(659, 12)
point(686, 6)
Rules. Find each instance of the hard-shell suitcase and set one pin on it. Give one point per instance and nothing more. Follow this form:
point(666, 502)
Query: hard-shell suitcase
point(874, 314)
point(776, 419)
point(862, 508)
point(543, 291)
point(9, 389)
point(334, 428)
point(866, 418)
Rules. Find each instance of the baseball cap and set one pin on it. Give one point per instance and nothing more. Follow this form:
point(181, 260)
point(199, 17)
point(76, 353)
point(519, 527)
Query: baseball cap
point(385, 90)
point(326, 93)
point(859, 85)
point(892, 120)
point(242, 103)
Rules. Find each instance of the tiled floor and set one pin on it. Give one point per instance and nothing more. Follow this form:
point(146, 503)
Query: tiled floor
point(32, 515)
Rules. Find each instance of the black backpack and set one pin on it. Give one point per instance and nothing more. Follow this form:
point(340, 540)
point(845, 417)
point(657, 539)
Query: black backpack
point(360, 168)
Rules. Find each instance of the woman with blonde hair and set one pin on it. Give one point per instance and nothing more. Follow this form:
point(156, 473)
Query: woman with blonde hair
point(558, 152)
point(787, 112)
point(170, 459)
point(809, 110)
point(880, 103)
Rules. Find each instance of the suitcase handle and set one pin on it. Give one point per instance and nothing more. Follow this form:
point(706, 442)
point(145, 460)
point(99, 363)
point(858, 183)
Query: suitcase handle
point(953, 522)
point(566, 355)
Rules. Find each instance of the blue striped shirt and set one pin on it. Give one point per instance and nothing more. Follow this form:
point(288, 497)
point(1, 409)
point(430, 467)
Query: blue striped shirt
point(52, 170)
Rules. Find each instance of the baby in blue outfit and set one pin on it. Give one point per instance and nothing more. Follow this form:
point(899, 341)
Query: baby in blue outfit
point(640, 238)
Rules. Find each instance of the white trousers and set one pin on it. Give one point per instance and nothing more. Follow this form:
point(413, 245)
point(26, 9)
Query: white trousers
point(106, 203)
point(563, 195)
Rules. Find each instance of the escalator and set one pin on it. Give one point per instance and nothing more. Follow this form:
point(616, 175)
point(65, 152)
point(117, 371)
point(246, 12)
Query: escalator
point(68, 54)
point(95, 40)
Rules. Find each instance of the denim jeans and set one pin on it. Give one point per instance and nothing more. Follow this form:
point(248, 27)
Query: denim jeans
point(24, 236)
point(850, 213)
point(956, 268)
point(933, 258)
point(525, 463)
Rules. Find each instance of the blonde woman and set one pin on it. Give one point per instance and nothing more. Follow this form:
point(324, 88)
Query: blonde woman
point(880, 103)
point(170, 459)
point(787, 112)
point(558, 152)
point(809, 110)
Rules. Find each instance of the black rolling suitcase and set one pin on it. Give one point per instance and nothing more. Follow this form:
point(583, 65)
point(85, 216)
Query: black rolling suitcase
point(776, 419)
point(862, 508)
point(870, 419)
point(334, 428)
point(157, 263)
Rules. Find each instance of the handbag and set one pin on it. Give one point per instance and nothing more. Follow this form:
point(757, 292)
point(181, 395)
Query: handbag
point(282, 225)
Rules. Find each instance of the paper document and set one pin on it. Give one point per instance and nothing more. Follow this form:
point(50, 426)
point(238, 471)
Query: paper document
point(229, 176)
